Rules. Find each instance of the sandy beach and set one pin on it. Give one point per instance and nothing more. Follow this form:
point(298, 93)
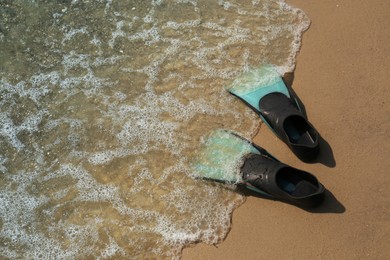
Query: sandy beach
point(342, 77)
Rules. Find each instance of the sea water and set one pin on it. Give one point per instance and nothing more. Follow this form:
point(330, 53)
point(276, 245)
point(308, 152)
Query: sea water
point(103, 105)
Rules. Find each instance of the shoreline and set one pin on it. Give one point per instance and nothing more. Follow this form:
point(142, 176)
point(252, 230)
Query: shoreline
point(341, 76)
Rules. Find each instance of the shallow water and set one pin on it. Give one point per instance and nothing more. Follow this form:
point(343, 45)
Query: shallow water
point(102, 106)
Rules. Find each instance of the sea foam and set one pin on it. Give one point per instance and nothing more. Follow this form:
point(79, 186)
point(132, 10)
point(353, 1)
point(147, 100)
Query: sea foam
point(105, 108)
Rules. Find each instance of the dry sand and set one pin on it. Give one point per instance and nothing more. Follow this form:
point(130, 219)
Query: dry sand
point(342, 77)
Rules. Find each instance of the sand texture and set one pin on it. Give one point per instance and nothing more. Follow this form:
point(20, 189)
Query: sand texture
point(342, 77)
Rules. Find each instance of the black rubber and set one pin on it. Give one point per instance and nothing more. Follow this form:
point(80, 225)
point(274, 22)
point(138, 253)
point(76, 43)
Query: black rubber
point(290, 125)
point(281, 181)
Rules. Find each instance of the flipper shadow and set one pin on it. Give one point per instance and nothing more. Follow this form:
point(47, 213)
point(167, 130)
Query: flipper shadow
point(330, 205)
point(325, 156)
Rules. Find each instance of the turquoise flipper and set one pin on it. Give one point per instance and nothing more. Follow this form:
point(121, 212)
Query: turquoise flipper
point(228, 158)
point(264, 91)
point(255, 84)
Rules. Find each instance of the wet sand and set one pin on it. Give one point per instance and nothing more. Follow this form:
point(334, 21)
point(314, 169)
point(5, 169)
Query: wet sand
point(342, 77)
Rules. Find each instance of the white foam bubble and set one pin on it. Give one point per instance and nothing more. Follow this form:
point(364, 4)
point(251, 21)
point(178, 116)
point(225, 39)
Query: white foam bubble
point(111, 250)
point(96, 41)
point(183, 25)
point(118, 33)
point(71, 33)
point(149, 36)
point(9, 131)
point(193, 2)
point(3, 160)
point(75, 60)
point(172, 233)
